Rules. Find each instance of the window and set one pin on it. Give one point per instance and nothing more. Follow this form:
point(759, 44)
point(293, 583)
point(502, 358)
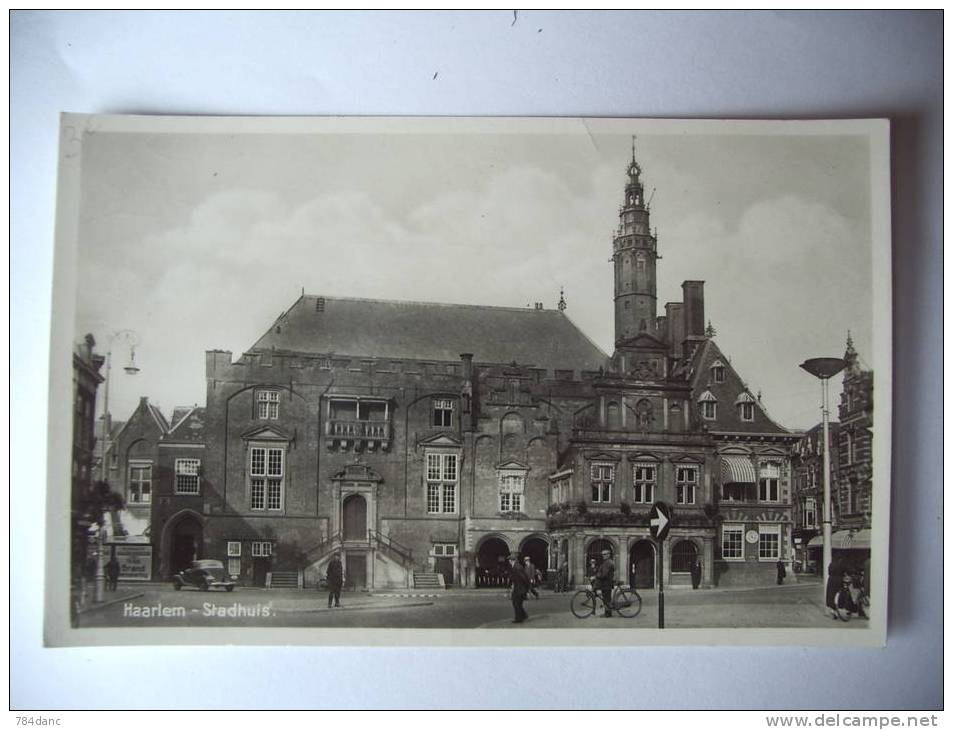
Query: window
point(684, 555)
point(686, 479)
point(768, 489)
point(442, 412)
point(446, 550)
point(732, 542)
point(769, 542)
point(267, 476)
point(747, 411)
point(140, 483)
point(511, 491)
point(603, 475)
point(718, 372)
point(441, 483)
point(261, 549)
point(643, 481)
point(187, 476)
point(810, 512)
point(849, 450)
point(233, 549)
point(708, 410)
point(268, 404)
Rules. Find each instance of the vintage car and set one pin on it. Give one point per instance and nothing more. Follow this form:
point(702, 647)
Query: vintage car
point(203, 574)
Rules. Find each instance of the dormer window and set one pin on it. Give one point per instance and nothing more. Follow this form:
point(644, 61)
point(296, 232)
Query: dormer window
point(745, 404)
point(718, 372)
point(708, 406)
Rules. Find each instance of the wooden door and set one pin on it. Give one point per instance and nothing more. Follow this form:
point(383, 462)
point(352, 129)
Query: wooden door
point(355, 572)
point(355, 518)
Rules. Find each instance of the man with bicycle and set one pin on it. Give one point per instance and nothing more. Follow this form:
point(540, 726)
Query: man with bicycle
point(604, 581)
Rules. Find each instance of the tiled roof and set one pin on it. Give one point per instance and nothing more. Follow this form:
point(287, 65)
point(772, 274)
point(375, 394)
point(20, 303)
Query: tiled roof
point(426, 331)
point(189, 427)
point(727, 393)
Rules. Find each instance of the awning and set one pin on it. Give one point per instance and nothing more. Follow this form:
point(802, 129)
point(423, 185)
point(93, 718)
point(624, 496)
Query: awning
point(738, 469)
point(844, 540)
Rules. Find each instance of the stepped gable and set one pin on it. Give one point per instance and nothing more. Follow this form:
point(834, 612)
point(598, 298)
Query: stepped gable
point(374, 328)
point(727, 394)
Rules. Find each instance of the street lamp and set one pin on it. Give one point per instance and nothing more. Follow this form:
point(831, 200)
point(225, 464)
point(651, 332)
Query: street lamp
point(129, 339)
point(825, 368)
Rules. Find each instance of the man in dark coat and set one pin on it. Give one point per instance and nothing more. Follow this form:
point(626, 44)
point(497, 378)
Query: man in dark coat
point(696, 574)
point(520, 587)
point(605, 579)
point(335, 577)
point(835, 574)
point(112, 573)
point(782, 572)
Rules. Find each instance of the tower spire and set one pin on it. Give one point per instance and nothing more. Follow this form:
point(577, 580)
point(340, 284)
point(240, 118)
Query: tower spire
point(562, 301)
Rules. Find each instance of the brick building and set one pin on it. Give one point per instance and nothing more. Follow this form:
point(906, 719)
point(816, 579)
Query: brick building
point(808, 466)
point(433, 439)
point(86, 380)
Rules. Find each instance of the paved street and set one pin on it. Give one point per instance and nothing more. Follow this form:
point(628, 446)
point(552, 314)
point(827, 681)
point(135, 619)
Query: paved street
point(789, 606)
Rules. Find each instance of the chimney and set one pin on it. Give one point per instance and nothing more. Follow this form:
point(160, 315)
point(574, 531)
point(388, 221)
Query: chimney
point(216, 359)
point(693, 296)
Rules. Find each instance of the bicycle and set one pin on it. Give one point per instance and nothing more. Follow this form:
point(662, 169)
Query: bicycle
point(625, 600)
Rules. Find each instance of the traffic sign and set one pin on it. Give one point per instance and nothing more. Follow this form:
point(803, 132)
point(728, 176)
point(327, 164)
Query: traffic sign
point(660, 519)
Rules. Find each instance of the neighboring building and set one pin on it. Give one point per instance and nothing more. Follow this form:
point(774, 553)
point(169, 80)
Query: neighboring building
point(808, 465)
point(419, 439)
point(853, 499)
point(86, 380)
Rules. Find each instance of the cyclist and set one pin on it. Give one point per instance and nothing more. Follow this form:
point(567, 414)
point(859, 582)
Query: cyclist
point(604, 581)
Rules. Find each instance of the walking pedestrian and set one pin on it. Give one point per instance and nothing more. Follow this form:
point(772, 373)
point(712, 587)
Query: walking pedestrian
point(782, 572)
point(335, 576)
point(519, 588)
point(112, 573)
point(696, 574)
point(531, 574)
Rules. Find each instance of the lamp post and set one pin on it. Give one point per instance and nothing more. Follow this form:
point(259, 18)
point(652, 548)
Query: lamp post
point(130, 339)
point(825, 368)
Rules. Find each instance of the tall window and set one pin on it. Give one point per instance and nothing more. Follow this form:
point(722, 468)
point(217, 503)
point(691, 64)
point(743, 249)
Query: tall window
point(268, 404)
point(267, 476)
point(140, 483)
point(709, 410)
point(511, 491)
point(732, 542)
point(718, 372)
point(747, 411)
point(810, 512)
point(769, 542)
point(849, 450)
point(686, 480)
point(603, 475)
point(187, 476)
point(768, 489)
point(643, 482)
point(441, 483)
point(442, 412)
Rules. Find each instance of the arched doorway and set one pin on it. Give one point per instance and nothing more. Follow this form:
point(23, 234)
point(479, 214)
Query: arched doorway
point(492, 568)
point(642, 565)
point(594, 553)
point(537, 549)
point(684, 555)
point(355, 518)
point(185, 543)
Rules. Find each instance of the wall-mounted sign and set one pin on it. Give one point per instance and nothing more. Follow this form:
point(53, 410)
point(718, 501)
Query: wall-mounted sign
point(135, 562)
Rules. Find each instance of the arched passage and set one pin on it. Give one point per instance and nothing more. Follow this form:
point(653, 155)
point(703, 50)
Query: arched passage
point(642, 565)
point(492, 568)
point(684, 555)
point(185, 542)
point(537, 550)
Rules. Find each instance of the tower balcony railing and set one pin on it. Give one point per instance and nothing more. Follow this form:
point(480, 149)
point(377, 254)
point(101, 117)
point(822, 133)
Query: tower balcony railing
point(358, 435)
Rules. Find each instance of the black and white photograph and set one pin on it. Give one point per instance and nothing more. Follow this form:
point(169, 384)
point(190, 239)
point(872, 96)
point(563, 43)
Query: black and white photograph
point(625, 380)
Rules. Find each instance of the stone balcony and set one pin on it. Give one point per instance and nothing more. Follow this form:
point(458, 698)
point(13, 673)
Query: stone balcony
point(358, 435)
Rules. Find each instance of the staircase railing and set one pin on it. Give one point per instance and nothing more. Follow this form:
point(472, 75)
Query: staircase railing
point(321, 549)
point(388, 543)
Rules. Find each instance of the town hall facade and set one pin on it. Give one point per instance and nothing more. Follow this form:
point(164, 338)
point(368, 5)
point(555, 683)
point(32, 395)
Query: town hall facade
point(425, 442)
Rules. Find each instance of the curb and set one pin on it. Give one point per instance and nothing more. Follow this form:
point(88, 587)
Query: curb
point(97, 606)
point(352, 608)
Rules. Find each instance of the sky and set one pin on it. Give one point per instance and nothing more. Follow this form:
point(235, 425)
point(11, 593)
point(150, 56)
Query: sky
point(200, 241)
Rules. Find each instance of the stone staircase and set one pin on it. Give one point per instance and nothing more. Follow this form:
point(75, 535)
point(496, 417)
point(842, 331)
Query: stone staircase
point(430, 581)
point(283, 579)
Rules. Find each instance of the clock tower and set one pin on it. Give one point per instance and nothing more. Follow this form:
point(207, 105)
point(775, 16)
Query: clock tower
point(634, 255)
